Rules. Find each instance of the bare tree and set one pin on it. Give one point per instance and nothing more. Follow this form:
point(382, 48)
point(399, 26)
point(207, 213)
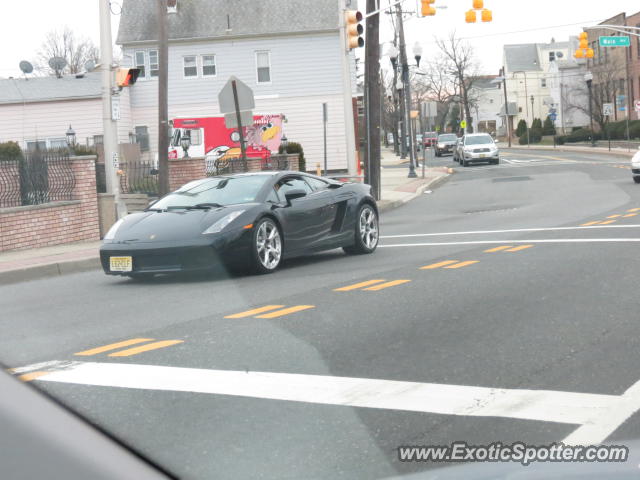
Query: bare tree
point(64, 44)
point(459, 62)
point(433, 83)
point(608, 82)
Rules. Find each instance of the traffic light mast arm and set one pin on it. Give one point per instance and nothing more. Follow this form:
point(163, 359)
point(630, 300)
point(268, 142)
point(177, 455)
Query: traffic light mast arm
point(376, 12)
point(616, 28)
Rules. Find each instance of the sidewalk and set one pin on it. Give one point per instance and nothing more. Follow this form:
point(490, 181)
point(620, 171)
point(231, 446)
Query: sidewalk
point(397, 189)
point(620, 151)
point(22, 265)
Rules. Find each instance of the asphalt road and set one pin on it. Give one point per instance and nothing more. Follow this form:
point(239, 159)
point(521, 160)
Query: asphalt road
point(523, 328)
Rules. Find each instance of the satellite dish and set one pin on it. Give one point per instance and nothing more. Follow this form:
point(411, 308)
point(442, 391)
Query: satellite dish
point(57, 63)
point(26, 67)
point(89, 65)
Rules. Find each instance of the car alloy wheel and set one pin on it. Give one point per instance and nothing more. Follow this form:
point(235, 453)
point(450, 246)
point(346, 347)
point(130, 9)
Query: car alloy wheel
point(369, 227)
point(268, 246)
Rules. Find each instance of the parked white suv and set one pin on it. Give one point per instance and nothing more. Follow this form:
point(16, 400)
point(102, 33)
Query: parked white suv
point(635, 166)
point(477, 147)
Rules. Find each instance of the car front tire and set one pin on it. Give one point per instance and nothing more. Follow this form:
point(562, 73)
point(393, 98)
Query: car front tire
point(366, 232)
point(266, 247)
point(636, 179)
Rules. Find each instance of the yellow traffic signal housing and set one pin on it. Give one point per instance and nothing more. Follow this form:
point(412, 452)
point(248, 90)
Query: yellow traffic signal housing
point(470, 16)
point(354, 29)
point(583, 36)
point(579, 53)
point(478, 4)
point(589, 53)
point(427, 9)
point(487, 16)
point(125, 77)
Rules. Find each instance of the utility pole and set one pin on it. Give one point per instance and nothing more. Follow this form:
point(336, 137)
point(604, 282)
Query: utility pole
point(506, 105)
point(109, 126)
point(163, 101)
point(347, 96)
point(372, 95)
point(407, 94)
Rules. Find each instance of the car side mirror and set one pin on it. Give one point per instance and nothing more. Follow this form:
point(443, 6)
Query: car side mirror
point(294, 193)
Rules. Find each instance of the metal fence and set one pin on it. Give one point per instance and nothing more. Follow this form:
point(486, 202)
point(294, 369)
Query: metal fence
point(139, 177)
point(36, 177)
point(237, 165)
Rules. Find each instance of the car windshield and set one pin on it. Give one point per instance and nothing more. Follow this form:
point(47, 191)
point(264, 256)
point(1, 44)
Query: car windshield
point(447, 138)
point(478, 140)
point(219, 190)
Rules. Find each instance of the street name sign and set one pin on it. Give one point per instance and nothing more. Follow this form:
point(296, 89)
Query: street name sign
point(620, 41)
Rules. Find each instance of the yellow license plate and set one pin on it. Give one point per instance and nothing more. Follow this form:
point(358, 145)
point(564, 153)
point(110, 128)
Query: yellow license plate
point(121, 264)
point(482, 155)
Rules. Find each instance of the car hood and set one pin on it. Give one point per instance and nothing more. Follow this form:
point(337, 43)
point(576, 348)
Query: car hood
point(172, 225)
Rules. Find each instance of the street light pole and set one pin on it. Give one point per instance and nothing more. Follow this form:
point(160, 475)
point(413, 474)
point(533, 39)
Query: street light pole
point(588, 77)
point(506, 105)
point(406, 92)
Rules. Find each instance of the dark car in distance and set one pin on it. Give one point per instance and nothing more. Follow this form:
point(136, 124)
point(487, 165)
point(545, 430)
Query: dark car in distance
point(244, 221)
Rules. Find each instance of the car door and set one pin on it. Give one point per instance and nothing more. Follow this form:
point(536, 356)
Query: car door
point(328, 211)
point(302, 217)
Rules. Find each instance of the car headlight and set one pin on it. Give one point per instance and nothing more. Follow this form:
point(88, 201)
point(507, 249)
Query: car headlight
point(223, 222)
point(441, 145)
point(112, 231)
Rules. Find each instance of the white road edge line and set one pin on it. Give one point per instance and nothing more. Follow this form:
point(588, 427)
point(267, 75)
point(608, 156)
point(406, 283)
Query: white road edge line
point(487, 242)
point(539, 405)
point(516, 230)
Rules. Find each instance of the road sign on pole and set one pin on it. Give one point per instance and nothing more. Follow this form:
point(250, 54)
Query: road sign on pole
point(621, 41)
point(607, 109)
point(231, 119)
point(245, 96)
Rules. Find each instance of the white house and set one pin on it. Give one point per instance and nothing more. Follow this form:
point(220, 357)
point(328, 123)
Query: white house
point(488, 99)
point(289, 54)
point(39, 110)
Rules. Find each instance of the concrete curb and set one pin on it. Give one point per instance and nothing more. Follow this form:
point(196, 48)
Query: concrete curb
point(575, 150)
point(385, 206)
point(36, 272)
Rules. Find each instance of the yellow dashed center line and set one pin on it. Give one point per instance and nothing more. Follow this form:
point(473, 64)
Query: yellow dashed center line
point(145, 348)
point(630, 215)
point(255, 311)
point(27, 377)
point(286, 311)
point(588, 224)
point(517, 249)
point(614, 216)
point(497, 249)
point(463, 264)
point(438, 265)
point(113, 346)
point(607, 222)
point(634, 210)
point(387, 285)
point(355, 286)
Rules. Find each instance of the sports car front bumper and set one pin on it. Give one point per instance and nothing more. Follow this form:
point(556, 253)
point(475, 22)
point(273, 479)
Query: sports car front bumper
point(232, 248)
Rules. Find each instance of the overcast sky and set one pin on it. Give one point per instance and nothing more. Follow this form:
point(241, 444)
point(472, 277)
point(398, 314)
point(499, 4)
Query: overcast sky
point(26, 21)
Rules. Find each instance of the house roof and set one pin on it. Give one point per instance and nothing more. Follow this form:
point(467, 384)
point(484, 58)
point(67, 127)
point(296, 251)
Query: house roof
point(208, 18)
point(485, 82)
point(522, 57)
point(47, 89)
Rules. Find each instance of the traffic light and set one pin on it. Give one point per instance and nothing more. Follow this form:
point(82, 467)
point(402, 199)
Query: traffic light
point(125, 77)
point(487, 16)
point(470, 16)
point(427, 9)
point(478, 4)
point(583, 50)
point(354, 29)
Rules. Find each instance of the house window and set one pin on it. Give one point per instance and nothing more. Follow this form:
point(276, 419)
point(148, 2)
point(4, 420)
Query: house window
point(142, 138)
point(190, 66)
point(140, 63)
point(519, 109)
point(208, 65)
point(552, 56)
point(263, 66)
point(154, 69)
point(195, 134)
point(543, 82)
point(98, 139)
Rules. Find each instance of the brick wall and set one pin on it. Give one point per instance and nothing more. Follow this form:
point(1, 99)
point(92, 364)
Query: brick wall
point(56, 222)
point(184, 170)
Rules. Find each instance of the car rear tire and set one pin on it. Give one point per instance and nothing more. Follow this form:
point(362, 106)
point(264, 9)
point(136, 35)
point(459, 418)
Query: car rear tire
point(636, 179)
point(465, 163)
point(366, 232)
point(266, 246)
